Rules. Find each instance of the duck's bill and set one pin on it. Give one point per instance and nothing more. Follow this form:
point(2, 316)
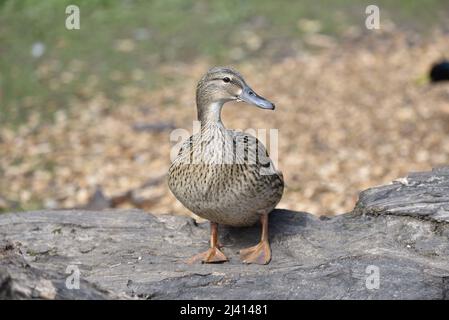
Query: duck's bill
point(249, 96)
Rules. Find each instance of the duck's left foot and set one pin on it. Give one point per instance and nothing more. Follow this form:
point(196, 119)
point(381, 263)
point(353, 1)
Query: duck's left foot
point(259, 254)
point(214, 254)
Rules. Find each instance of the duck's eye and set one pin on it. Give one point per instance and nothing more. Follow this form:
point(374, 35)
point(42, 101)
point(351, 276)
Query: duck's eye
point(226, 79)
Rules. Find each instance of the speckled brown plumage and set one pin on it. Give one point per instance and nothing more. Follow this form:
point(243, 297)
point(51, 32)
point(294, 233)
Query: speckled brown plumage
point(223, 175)
point(233, 194)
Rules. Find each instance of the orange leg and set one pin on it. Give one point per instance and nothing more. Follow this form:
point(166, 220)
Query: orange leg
point(213, 255)
point(260, 253)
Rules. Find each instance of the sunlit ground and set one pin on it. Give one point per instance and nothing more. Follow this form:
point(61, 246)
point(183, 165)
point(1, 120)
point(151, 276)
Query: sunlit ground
point(354, 110)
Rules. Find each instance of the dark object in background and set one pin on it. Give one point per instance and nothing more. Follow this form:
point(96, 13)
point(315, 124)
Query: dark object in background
point(440, 71)
point(153, 127)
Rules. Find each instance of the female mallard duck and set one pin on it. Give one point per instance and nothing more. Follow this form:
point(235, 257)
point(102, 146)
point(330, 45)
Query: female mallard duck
point(226, 176)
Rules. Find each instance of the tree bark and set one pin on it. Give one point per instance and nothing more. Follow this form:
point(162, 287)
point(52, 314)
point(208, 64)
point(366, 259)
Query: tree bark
point(393, 245)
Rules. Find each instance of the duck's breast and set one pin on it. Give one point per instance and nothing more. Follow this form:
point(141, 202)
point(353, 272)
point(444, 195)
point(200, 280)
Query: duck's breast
point(233, 193)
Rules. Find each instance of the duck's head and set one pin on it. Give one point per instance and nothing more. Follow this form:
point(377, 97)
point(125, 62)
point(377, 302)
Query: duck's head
point(222, 84)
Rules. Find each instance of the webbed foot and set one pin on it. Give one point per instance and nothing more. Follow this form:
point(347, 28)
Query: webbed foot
point(212, 255)
point(259, 254)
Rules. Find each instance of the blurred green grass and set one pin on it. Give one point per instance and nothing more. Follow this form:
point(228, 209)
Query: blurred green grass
point(123, 42)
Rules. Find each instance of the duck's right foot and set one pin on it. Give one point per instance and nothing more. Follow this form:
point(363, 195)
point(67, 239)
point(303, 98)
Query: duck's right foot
point(213, 255)
point(259, 254)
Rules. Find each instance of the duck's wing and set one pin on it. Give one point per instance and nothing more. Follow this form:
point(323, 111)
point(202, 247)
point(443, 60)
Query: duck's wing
point(246, 149)
point(250, 150)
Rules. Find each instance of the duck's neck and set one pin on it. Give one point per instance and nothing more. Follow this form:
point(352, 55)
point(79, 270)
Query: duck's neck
point(210, 113)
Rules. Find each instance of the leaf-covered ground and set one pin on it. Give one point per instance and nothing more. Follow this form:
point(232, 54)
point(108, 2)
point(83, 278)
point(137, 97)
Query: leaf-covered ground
point(355, 114)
